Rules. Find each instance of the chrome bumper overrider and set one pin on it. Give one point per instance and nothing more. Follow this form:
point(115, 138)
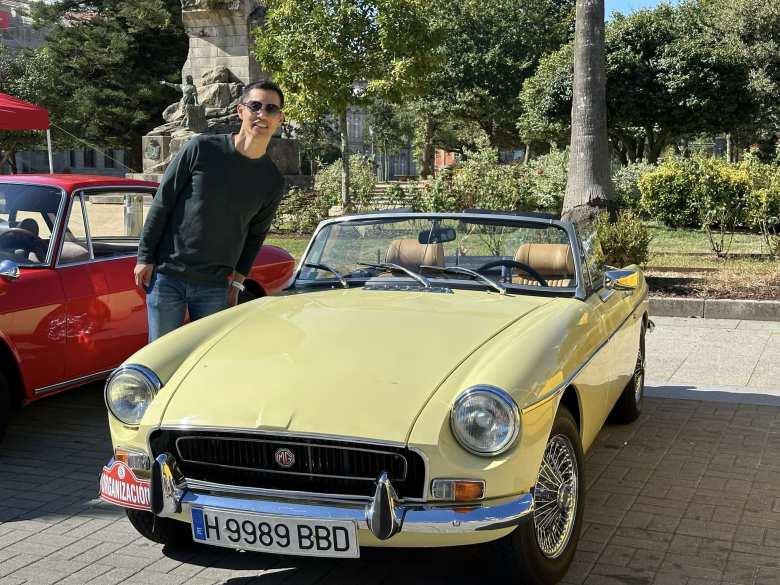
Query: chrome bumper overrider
point(383, 515)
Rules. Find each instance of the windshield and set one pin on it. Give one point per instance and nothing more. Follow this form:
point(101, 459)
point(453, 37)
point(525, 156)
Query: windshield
point(518, 254)
point(27, 218)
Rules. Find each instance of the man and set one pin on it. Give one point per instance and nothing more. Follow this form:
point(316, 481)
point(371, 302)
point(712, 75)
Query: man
point(210, 216)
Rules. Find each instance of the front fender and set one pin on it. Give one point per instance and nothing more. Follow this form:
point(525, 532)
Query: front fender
point(530, 360)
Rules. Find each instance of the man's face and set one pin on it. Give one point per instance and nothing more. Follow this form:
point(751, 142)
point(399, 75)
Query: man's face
point(261, 113)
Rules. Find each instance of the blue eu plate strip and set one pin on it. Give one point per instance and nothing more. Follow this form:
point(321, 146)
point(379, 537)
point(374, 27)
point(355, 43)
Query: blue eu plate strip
point(198, 526)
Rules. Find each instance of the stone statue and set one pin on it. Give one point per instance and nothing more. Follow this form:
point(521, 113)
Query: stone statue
point(189, 93)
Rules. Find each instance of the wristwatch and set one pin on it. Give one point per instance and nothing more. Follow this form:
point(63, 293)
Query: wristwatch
point(239, 285)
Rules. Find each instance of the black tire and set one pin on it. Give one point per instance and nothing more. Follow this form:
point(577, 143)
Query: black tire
point(166, 531)
point(527, 560)
point(6, 405)
point(629, 406)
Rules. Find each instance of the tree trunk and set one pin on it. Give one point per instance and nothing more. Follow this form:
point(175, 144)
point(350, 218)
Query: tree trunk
point(728, 147)
point(429, 152)
point(527, 153)
point(589, 187)
point(345, 198)
point(655, 144)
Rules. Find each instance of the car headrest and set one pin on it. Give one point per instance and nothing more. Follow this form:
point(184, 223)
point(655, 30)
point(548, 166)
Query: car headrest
point(411, 254)
point(29, 224)
point(547, 259)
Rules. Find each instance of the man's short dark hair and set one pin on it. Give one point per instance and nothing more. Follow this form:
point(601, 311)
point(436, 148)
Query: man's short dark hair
point(263, 84)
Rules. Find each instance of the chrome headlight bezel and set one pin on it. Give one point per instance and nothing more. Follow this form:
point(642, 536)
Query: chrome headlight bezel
point(502, 398)
point(149, 381)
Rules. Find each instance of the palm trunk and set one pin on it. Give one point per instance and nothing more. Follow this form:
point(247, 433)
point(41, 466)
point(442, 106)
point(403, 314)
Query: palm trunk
point(589, 188)
point(345, 198)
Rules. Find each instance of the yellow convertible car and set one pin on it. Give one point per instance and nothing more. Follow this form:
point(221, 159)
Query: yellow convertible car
point(428, 379)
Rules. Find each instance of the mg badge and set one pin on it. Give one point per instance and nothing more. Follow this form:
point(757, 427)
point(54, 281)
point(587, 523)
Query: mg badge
point(284, 457)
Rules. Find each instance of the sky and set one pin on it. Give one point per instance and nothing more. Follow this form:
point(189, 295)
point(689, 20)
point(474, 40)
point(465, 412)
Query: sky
point(628, 6)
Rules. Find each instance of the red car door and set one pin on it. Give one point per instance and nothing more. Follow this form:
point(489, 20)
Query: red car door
point(32, 322)
point(106, 315)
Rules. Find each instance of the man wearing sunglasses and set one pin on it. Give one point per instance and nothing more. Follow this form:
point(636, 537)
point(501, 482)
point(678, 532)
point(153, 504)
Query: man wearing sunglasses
point(210, 215)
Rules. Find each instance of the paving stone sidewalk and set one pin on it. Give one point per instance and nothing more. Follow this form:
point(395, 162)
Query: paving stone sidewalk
point(688, 495)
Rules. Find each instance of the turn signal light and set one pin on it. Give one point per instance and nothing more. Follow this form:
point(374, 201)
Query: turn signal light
point(135, 460)
point(458, 490)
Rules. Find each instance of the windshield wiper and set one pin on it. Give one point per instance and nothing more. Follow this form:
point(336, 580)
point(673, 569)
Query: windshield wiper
point(468, 272)
point(397, 267)
point(329, 268)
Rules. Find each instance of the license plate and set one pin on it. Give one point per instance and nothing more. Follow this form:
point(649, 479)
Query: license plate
point(277, 534)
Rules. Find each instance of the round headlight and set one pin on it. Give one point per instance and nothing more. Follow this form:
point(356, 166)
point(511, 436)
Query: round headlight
point(129, 391)
point(485, 420)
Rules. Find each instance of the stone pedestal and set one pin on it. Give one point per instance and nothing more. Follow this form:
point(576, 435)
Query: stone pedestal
point(220, 64)
point(156, 150)
point(220, 35)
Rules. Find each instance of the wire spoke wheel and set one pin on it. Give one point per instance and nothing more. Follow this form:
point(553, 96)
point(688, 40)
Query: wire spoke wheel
point(555, 497)
point(639, 372)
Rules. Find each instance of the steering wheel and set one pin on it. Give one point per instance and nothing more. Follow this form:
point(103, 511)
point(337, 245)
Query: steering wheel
point(21, 239)
point(514, 264)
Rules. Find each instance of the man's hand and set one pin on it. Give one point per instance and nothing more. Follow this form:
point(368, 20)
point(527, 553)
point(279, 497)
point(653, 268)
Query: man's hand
point(233, 297)
point(234, 292)
point(142, 273)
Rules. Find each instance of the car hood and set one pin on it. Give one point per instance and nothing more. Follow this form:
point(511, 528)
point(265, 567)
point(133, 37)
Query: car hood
point(349, 362)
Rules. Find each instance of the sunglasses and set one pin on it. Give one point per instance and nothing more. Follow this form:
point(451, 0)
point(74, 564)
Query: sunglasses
point(270, 109)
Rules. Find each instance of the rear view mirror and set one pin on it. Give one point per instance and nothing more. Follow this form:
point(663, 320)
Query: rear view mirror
point(437, 236)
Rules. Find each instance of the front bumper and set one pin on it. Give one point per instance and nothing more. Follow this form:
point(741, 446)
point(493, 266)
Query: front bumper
point(383, 515)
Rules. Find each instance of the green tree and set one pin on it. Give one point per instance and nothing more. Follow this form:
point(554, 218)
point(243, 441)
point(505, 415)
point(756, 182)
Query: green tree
point(489, 50)
point(390, 128)
point(331, 54)
point(667, 76)
point(108, 57)
point(752, 27)
point(25, 75)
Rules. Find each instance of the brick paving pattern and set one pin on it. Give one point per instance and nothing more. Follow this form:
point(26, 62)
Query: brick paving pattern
point(687, 495)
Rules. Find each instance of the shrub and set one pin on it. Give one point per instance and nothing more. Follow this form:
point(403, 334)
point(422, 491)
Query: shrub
point(481, 182)
point(300, 211)
point(361, 181)
point(624, 242)
point(626, 182)
point(763, 204)
point(667, 193)
point(720, 193)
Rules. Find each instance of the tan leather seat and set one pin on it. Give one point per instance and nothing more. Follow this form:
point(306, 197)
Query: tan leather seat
point(410, 254)
point(554, 262)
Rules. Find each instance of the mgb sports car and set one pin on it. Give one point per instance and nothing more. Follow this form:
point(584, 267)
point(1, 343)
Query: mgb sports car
point(428, 379)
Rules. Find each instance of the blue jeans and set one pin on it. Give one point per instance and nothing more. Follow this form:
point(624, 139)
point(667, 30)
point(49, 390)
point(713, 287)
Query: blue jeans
point(167, 298)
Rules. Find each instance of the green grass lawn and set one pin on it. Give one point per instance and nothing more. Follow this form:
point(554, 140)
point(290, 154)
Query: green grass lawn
point(682, 241)
point(294, 244)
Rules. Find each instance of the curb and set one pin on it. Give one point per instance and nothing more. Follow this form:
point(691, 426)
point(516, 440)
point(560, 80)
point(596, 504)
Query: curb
point(715, 308)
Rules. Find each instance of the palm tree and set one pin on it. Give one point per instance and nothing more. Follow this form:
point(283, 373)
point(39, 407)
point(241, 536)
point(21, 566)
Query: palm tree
point(589, 188)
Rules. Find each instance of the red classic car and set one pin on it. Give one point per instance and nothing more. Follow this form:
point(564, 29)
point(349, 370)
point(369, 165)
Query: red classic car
point(69, 309)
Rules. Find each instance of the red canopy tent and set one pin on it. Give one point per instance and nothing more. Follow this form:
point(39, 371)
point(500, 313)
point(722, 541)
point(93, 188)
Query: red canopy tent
point(16, 114)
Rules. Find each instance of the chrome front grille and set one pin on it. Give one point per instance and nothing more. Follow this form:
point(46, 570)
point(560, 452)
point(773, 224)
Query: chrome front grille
point(326, 466)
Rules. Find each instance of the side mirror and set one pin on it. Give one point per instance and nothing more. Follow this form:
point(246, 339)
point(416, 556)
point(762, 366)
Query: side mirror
point(9, 270)
point(621, 279)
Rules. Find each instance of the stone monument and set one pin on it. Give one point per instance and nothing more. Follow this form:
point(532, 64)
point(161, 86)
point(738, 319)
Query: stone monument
point(218, 66)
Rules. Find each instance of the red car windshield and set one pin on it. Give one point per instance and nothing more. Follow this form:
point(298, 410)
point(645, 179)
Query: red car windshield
point(28, 214)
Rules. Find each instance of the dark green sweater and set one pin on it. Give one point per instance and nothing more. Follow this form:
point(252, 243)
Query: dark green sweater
point(211, 212)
